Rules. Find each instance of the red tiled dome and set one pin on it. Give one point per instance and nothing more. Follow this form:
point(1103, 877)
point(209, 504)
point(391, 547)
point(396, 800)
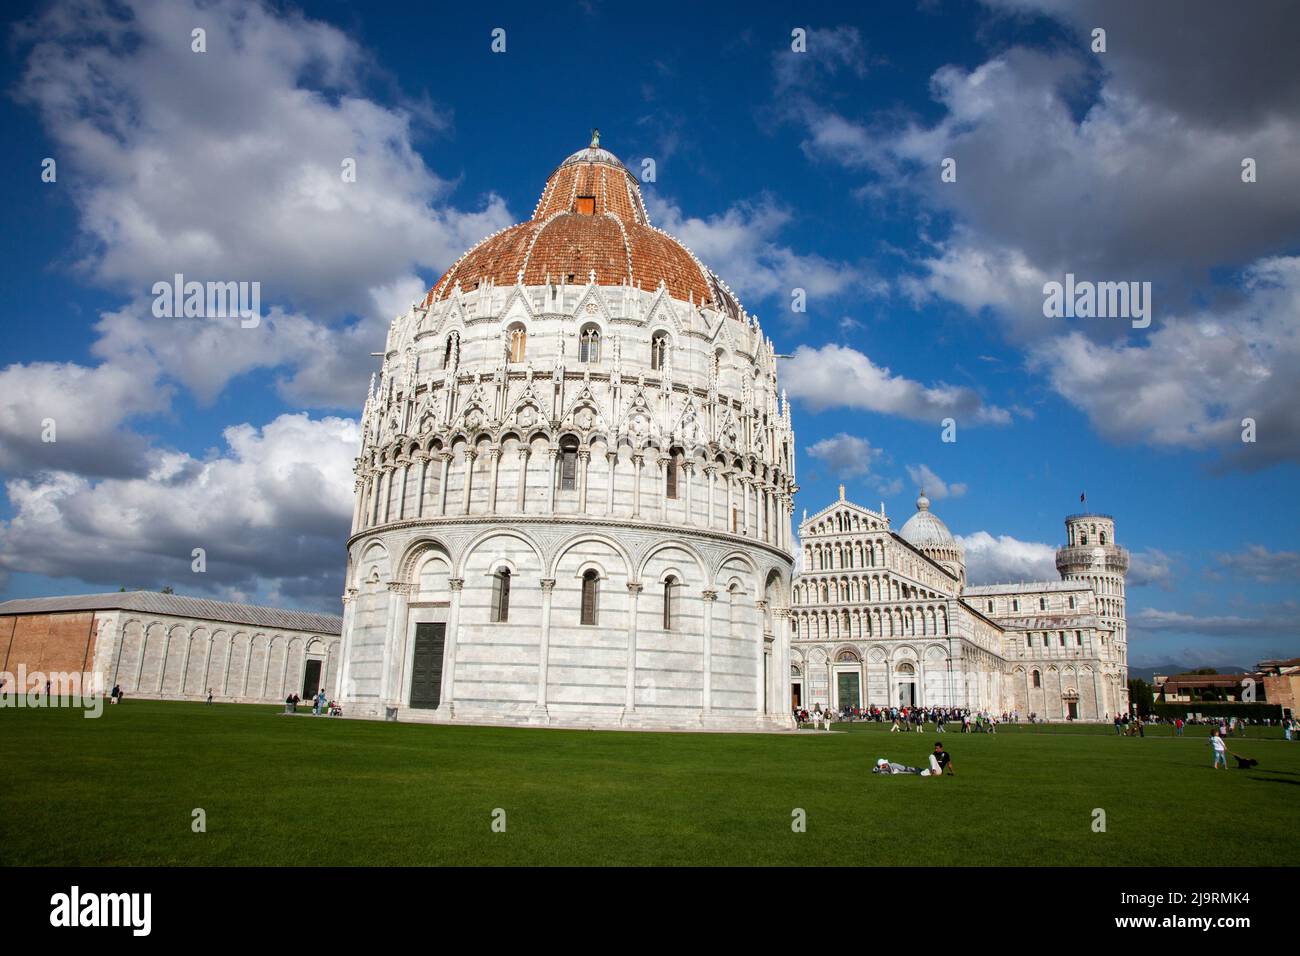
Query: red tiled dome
point(590, 218)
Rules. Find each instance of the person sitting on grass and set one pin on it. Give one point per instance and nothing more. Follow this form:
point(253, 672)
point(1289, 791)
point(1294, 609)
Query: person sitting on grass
point(940, 761)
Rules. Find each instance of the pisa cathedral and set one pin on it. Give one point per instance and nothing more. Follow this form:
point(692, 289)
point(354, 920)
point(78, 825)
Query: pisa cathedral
point(575, 485)
point(885, 618)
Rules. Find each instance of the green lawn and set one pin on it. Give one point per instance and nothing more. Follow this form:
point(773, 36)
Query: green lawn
point(303, 790)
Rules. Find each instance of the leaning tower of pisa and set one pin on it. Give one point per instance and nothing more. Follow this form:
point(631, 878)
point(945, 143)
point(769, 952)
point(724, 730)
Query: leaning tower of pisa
point(1091, 555)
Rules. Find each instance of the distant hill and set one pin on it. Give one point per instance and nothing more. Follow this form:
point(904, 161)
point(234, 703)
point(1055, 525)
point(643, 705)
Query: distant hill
point(1147, 673)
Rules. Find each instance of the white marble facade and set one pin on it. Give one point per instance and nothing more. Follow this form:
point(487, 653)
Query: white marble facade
point(885, 618)
point(600, 449)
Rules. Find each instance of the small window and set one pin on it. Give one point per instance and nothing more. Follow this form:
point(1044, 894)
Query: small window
point(1042, 604)
point(586, 205)
point(518, 343)
point(990, 607)
point(452, 351)
point(590, 596)
point(670, 598)
point(1071, 602)
point(1083, 539)
point(568, 467)
point(589, 345)
point(501, 596)
point(1062, 638)
point(1015, 604)
point(1078, 638)
point(1038, 679)
point(1103, 537)
point(659, 346)
point(670, 475)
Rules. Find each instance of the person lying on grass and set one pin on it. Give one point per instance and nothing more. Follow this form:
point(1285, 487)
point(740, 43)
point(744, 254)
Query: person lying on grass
point(939, 761)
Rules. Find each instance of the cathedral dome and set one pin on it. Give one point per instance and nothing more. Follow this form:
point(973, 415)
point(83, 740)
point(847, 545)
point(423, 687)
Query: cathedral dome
point(926, 532)
point(925, 528)
point(590, 219)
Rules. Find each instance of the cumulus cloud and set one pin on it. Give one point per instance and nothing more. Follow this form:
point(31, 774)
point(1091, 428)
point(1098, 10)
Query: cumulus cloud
point(836, 376)
point(934, 487)
point(1151, 567)
point(271, 511)
point(1070, 162)
point(742, 247)
point(1262, 564)
point(1195, 380)
point(846, 456)
point(1004, 559)
point(83, 409)
point(227, 166)
point(1214, 625)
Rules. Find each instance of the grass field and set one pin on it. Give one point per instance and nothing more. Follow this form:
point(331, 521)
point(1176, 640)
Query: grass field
point(301, 790)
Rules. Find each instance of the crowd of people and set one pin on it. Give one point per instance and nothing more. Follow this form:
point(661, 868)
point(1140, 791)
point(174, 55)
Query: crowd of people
point(910, 719)
point(320, 705)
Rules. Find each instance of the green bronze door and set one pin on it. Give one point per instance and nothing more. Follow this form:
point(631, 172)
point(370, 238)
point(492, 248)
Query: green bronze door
point(426, 665)
point(849, 688)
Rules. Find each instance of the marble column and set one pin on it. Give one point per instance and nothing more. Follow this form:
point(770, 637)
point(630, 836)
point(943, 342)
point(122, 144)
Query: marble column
point(445, 457)
point(711, 473)
point(710, 598)
point(689, 469)
point(584, 458)
point(637, 462)
point(612, 458)
point(629, 703)
point(544, 648)
point(553, 470)
point(520, 503)
point(446, 703)
point(470, 455)
point(424, 481)
point(495, 453)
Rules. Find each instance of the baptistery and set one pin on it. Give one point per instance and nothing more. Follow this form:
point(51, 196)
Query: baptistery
point(574, 486)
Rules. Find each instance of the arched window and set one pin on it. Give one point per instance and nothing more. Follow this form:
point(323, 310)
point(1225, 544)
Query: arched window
point(670, 598)
point(1083, 539)
point(518, 343)
point(452, 349)
point(568, 464)
point(1103, 537)
point(1038, 679)
point(659, 346)
point(671, 469)
point(590, 596)
point(501, 596)
point(589, 345)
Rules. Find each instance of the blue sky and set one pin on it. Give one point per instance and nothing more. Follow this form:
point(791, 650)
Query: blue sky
point(817, 170)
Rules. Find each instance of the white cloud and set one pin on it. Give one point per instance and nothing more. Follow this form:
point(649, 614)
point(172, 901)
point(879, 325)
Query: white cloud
point(741, 246)
point(835, 376)
point(1262, 564)
point(1007, 560)
point(226, 166)
point(1195, 379)
point(270, 511)
point(934, 487)
point(1213, 625)
point(1085, 164)
point(88, 408)
point(846, 456)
